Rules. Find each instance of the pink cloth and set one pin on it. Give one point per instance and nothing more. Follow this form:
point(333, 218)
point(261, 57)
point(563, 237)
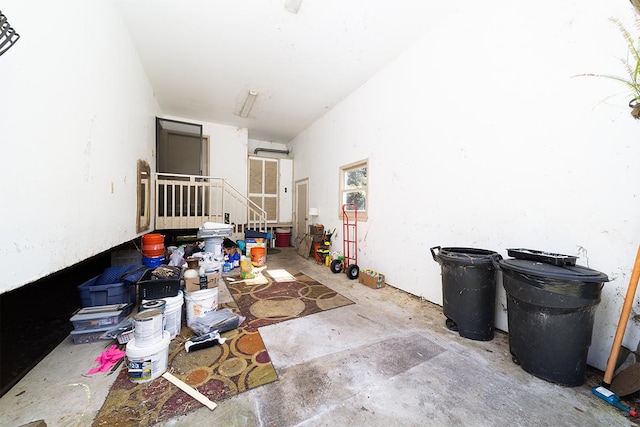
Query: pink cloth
point(107, 359)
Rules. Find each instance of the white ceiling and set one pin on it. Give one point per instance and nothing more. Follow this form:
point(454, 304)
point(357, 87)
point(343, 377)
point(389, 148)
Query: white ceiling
point(203, 56)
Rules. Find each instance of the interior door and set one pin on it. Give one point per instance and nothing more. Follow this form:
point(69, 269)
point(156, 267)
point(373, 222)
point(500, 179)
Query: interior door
point(302, 210)
point(263, 185)
point(181, 148)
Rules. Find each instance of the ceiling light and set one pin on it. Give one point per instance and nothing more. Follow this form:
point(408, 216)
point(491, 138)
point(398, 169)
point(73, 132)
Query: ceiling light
point(248, 104)
point(292, 5)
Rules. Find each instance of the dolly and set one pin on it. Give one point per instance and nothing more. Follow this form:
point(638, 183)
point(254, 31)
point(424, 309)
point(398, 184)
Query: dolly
point(349, 242)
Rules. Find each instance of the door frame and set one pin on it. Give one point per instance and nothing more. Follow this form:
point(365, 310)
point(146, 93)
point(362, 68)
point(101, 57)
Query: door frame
point(298, 234)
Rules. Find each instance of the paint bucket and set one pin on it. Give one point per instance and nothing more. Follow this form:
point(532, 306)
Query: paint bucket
point(153, 262)
point(258, 255)
point(148, 327)
point(152, 245)
point(200, 302)
point(160, 304)
point(173, 314)
point(146, 363)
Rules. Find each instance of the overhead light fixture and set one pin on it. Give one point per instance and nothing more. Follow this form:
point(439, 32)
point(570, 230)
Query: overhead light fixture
point(8, 35)
point(248, 104)
point(293, 5)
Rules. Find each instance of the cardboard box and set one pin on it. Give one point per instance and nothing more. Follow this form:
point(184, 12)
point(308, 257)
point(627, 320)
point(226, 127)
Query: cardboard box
point(208, 281)
point(374, 281)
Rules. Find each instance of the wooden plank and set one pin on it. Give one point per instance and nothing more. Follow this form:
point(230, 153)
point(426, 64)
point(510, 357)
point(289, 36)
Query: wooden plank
point(190, 391)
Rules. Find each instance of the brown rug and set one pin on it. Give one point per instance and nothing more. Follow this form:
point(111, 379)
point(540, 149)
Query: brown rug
point(238, 365)
point(218, 372)
point(279, 295)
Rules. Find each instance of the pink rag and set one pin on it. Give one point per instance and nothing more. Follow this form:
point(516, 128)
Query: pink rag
point(107, 359)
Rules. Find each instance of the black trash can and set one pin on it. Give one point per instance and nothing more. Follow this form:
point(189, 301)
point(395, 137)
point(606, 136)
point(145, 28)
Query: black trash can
point(468, 290)
point(551, 303)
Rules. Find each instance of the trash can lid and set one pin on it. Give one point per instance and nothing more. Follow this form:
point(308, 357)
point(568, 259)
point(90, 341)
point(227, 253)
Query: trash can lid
point(569, 272)
point(466, 256)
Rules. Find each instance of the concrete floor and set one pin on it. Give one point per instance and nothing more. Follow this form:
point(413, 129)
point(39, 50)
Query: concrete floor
point(387, 360)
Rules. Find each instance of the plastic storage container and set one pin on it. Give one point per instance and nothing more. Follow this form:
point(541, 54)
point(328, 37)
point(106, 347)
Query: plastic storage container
point(550, 310)
point(468, 290)
point(283, 237)
point(114, 293)
point(89, 335)
point(151, 287)
point(100, 317)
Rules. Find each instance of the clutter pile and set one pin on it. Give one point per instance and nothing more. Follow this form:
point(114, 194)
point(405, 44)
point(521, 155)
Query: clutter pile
point(142, 306)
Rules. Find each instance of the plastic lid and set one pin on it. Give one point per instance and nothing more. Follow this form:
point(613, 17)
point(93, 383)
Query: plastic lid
point(468, 256)
point(572, 273)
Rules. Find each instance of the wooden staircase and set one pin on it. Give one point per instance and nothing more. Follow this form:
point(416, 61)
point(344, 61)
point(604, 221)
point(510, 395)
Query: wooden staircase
point(184, 202)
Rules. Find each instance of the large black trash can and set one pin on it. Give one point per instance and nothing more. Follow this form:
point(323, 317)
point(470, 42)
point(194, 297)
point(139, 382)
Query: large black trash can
point(468, 290)
point(550, 310)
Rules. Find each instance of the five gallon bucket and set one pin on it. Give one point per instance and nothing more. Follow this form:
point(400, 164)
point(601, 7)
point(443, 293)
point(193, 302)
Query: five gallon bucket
point(200, 302)
point(153, 262)
point(152, 245)
point(172, 313)
point(258, 255)
point(146, 363)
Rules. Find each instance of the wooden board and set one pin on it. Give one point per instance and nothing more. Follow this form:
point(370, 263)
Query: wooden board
point(305, 246)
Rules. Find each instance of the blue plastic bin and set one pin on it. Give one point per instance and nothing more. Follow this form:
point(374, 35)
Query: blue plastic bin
point(92, 295)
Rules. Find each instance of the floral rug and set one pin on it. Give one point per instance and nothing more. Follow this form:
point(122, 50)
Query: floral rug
point(279, 295)
point(239, 364)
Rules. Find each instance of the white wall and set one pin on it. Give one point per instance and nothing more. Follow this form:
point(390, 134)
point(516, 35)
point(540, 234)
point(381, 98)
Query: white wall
point(76, 113)
point(478, 136)
point(257, 143)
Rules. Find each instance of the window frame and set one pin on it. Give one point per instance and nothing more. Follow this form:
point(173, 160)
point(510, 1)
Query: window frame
point(362, 215)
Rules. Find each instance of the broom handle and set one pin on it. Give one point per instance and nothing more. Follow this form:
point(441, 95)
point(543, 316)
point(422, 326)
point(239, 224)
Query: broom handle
point(622, 323)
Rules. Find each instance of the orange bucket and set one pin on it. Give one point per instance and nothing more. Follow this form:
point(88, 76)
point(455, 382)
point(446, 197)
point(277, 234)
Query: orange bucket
point(152, 245)
point(258, 255)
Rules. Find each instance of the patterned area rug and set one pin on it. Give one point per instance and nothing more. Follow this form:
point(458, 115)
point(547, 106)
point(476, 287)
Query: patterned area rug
point(218, 372)
point(238, 365)
point(279, 295)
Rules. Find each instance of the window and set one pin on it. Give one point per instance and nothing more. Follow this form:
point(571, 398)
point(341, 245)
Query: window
point(353, 188)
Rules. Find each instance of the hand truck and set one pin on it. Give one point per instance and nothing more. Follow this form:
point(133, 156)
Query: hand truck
point(349, 263)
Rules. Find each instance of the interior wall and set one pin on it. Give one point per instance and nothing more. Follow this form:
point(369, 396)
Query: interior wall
point(480, 136)
point(77, 112)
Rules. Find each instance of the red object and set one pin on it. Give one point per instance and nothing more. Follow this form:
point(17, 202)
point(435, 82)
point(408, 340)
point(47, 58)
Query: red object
point(107, 359)
point(283, 239)
point(350, 234)
point(152, 245)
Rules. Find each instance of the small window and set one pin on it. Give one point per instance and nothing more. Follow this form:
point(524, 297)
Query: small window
point(353, 188)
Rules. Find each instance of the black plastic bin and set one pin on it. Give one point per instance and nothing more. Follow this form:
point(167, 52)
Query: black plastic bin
point(468, 290)
point(550, 310)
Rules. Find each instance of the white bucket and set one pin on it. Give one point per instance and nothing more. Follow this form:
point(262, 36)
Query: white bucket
point(148, 327)
point(147, 363)
point(172, 313)
point(200, 302)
